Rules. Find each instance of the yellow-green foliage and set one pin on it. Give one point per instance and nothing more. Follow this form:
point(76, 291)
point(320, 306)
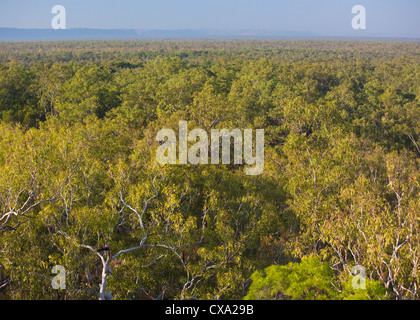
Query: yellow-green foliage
point(341, 180)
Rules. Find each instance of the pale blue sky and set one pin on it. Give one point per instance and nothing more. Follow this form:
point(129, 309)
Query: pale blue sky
point(325, 17)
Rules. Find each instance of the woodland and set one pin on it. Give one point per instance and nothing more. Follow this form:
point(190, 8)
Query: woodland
point(80, 186)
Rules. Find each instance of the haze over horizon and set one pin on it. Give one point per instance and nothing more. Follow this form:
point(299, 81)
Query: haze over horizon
point(385, 18)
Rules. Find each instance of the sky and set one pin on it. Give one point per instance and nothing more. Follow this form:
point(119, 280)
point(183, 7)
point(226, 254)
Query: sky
point(391, 18)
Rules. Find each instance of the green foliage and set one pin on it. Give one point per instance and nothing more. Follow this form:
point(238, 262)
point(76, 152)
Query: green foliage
point(341, 182)
point(310, 279)
point(374, 290)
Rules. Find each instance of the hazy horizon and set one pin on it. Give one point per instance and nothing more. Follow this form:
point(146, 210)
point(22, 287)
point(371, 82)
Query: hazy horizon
point(384, 18)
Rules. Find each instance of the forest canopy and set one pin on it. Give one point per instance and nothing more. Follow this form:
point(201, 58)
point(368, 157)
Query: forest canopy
point(80, 186)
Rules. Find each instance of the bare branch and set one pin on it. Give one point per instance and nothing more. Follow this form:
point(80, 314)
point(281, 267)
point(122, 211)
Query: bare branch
point(142, 243)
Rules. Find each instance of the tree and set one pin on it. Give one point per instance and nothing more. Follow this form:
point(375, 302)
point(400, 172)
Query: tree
point(310, 279)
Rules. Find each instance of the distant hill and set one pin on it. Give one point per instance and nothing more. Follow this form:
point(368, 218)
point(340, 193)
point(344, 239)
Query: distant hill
point(11, 34)
point(15, 34)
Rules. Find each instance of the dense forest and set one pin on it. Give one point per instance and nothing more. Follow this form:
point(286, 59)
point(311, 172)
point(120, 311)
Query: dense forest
point(80, 186)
